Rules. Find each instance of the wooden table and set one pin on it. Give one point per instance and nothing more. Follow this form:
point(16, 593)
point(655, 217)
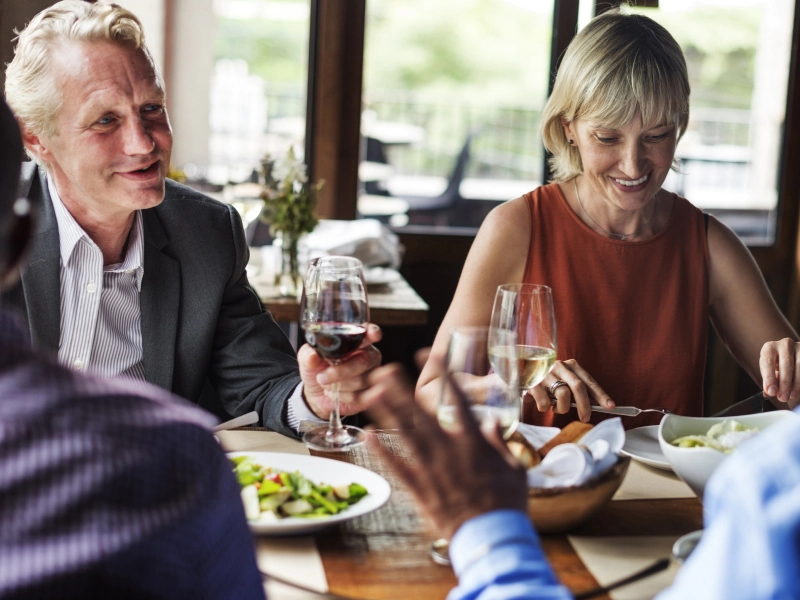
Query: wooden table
point(384, 555)
point(394, 303)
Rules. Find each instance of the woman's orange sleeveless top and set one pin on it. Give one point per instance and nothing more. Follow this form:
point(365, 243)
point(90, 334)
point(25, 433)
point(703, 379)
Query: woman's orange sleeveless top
point(633, 314)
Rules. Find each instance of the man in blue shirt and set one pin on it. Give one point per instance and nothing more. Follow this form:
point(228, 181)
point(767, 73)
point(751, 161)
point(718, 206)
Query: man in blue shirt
point(475, 494)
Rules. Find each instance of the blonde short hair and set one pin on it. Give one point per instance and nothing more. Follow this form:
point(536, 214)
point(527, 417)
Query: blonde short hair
point(30, 84)
point(617, 66)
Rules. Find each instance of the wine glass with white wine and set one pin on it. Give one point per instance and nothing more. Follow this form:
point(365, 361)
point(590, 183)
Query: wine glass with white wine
point(526, 310)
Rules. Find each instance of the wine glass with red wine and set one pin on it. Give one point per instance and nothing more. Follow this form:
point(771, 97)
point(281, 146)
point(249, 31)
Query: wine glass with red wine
point(335, 314)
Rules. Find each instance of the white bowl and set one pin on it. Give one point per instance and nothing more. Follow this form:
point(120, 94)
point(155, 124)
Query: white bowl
point(695, 465)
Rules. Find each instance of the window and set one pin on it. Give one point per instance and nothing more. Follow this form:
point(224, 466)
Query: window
point(451, 106)
point(258, 85)
point(738, 54)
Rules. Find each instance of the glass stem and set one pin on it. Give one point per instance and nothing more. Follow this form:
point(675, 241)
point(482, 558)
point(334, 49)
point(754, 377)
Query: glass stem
point(522, 395)
point(335, 420)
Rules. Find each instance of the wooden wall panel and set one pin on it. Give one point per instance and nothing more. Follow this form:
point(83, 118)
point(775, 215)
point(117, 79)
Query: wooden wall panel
point(335, 109)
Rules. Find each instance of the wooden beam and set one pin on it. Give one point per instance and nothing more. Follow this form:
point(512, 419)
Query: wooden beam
point(565, 26)
point(334, 115)
point(789, 191)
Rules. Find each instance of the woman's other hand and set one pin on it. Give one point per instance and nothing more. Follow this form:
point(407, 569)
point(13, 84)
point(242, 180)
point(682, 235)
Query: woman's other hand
point(780, 370)
point(581, 388)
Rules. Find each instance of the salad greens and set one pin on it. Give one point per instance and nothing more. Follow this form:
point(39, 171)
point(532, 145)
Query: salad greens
point(724, 437)
point(271, 494)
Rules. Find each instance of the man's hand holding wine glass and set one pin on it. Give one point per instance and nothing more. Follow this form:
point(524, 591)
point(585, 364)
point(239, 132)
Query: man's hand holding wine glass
point(318, 374)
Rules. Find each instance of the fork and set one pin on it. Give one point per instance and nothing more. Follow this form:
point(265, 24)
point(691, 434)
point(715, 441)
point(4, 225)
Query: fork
point(627, 411)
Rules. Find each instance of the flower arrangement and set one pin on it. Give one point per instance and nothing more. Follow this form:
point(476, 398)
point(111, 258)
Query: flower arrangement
point(289, 202)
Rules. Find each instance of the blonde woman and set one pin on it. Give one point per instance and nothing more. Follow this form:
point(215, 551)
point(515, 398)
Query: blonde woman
point(636, 271)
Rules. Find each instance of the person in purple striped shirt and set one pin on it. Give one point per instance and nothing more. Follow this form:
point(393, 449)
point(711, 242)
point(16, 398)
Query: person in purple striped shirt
point(108, 489)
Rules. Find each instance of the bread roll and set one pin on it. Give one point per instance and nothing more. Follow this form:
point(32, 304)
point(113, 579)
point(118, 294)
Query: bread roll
point(570, 434)
point(523, 451)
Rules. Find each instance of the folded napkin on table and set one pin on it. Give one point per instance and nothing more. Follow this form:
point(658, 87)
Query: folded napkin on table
point(569, 465)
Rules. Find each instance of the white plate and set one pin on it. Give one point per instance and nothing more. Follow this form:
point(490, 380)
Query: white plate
point(642, 444)
point(380, 276)
point(320, 470)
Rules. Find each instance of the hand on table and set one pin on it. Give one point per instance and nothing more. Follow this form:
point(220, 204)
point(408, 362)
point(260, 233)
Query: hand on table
point(317, 374)
point(780, 370)
point(458, 474)
point(581, 389)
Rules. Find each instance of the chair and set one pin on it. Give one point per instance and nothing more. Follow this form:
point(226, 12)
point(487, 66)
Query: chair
point(427, 210)
point(376, 153)
point(451, 195)
point(442, 210)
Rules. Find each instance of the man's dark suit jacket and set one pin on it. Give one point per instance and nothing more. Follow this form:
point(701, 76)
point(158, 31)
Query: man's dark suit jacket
point(201, 320)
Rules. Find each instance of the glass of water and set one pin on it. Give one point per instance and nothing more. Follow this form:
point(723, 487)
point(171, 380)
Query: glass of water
point(490, 382)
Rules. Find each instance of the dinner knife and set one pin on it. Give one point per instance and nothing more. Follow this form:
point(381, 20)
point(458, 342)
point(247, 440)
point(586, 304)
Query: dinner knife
point(749, 406)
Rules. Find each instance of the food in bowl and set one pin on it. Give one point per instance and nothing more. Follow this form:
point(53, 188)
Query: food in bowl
point(555, 510)
point(695, 465)
point(591, 462)
point(272, 494)
point(723, 437)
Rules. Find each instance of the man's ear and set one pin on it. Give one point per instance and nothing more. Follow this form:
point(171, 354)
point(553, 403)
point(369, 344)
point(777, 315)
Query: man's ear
point(35, 144)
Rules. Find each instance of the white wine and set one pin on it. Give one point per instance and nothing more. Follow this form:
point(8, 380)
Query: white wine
point(533, 363)
point(506, 416)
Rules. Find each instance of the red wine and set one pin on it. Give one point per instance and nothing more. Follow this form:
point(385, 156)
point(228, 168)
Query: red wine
point(335, 341)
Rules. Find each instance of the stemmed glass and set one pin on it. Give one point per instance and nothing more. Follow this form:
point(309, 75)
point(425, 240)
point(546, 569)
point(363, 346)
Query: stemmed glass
point(335, 313)
point(248, 208)
point(527, 310)
point(489, 381)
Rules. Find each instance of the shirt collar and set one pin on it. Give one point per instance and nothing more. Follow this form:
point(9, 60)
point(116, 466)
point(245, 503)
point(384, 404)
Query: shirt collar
point(70, 233)
point(134, 256)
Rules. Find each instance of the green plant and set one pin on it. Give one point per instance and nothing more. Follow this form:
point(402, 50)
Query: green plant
point(289, 202)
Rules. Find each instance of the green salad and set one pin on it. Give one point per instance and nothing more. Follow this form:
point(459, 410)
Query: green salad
point(724, 437)
point(271, 494)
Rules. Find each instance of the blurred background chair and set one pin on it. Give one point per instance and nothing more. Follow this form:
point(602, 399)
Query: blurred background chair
point(428, 210)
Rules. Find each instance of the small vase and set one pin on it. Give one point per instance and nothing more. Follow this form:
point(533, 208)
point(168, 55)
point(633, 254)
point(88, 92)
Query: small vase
point(287, 277)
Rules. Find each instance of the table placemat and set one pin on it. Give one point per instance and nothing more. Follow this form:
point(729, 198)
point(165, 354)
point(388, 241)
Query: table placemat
point(238, 440)
point(612, 558)
point(294, 559)
point(647, 483)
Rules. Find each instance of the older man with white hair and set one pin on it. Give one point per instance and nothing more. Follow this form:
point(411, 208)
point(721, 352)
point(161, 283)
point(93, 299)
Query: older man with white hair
point(131, 274)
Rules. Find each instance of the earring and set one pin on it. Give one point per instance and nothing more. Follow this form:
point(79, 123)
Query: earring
point(571, 142)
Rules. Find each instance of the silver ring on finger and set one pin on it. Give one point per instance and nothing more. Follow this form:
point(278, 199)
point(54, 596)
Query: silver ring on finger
point(551, 390)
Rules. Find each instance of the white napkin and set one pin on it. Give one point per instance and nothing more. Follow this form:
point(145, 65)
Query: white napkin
point(537, 435)
point(569, 465)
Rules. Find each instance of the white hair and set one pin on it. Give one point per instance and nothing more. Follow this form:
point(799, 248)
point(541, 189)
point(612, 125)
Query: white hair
point(31, 90)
